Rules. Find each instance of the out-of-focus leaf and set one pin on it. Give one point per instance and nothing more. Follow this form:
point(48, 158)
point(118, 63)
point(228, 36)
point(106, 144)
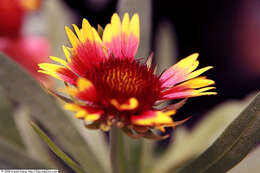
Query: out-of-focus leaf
point(165, 49)
point(56, 150)
point(33, 143)
point(117, 152)
point(8, 128)
point(148, 158)
point(97, 142)
point(233, 145)
point(186, 145)
point(12, 157)
point(20, 87)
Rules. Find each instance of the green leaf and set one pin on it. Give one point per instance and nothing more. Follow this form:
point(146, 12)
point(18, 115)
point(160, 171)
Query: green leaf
point(185, 144)
point(97, 142)
point(117, 151)
point(238, 139)
point(8, 128)
point(56, 150)
point(165, 46)
point(33, 143)
point(24, 90)
point(13, 157)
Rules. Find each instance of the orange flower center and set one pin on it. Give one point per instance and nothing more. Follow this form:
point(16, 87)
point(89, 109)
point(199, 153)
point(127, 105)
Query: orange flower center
point(123, 79)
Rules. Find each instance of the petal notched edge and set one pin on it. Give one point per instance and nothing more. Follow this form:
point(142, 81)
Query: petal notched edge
point(122, 39)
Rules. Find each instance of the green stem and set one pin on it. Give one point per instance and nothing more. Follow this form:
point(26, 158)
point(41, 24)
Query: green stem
point(117, 153)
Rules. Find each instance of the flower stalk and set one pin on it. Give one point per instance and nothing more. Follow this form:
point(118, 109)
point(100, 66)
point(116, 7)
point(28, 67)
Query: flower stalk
point(117, 153)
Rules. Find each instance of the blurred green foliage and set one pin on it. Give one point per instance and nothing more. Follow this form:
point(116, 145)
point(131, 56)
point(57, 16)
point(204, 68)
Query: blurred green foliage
point(7, 125)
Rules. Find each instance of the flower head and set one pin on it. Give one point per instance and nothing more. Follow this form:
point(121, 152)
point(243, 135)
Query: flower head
point(108, 86)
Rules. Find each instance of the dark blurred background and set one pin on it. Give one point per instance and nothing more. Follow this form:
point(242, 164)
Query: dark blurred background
point(225, 33)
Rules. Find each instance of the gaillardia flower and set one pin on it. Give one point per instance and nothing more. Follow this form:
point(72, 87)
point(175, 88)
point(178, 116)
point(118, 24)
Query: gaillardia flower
point(108, 86)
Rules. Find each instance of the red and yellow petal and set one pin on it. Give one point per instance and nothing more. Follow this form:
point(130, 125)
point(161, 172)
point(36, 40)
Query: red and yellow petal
point(50, 69)
point(189, 93)
point(84, 90)
point(60, 61)
point(191, 88)
point(72, 37)
point(130, 104)
point(156, 119)
point(92, 40)
point(86, 44)
point(195, 83)
point(182, 71)
point(122, 39)
point(198, 72)
point(185, 65)
point(73, 62)
point(84, 112)
point(112, 36)
point(153, 118)
point(198, 82)
point(58, 71)
point(67, 54)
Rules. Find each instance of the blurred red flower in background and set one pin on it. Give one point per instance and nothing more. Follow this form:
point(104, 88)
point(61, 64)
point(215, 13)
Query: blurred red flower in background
point(12, 14)
point(28, 51)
